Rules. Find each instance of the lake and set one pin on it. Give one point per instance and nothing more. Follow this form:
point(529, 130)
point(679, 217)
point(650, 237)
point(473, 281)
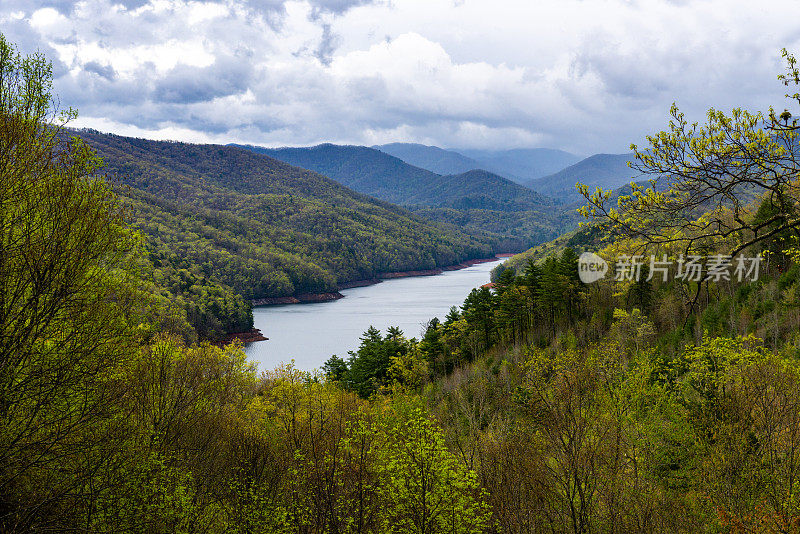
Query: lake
point(312, 333)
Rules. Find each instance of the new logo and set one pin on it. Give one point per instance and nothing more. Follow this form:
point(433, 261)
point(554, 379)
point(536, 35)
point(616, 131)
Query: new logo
point(591, 267)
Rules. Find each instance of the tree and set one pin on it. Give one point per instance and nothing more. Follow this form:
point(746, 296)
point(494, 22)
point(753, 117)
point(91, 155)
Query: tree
point(551, 290)
point(64, 307)
point(504, 281)
point(703, 179)
point(368, 367)
point(426, 489)
point(335, 368)
point(477, 310)
point(452, 316)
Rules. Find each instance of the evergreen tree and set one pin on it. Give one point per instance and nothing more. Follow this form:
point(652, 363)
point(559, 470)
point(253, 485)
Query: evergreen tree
point(368, 366)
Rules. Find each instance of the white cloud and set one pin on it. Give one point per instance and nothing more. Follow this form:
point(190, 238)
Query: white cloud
point(588, 76)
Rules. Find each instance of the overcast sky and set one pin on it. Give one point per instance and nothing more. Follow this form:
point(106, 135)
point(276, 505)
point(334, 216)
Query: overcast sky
point(585, 76)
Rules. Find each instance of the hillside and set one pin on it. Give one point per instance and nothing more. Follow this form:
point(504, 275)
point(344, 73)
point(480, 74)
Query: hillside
point(587, 238)
point(377, 174)
point(432, 158)
point(506, 213)
point(521, 164)
point(478, 189)
point(263, 227)
point(608, 171)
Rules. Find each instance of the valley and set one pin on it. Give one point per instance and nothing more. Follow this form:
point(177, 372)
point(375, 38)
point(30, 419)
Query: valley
point(199, 337)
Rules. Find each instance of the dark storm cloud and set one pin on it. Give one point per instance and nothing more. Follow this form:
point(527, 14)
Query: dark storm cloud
point(185, 84)
point(453, 73)
point(104, 71)
point(90, 91)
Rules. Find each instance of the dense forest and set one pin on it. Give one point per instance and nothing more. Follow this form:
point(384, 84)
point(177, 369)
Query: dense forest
point(222, 226)
point(511, 216)
point(647, 404)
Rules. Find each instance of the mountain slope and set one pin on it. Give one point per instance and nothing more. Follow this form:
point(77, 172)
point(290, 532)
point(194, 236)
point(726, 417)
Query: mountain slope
point(478, 189)
point(263, 227)
point(432, 158)
point(608, 171)
point(377, 174)
point(521, 164)
point(508, 215)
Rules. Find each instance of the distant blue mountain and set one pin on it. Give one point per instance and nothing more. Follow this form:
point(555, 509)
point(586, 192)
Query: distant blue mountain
point(432, 158)
point(511, 216)
point(521, 164)
point(609, 171)
point(375, 173)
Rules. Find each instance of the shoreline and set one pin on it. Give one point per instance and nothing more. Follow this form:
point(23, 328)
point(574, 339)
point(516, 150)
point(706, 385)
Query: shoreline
point(302, 298)
point(250, 336)
point(305, 298)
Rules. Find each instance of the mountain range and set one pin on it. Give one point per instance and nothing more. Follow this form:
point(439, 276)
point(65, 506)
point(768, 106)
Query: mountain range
point(375, 173)
point(511, 216)
point(609, 171)
point(519, 165)
point(523, 164)
point(263, 227)
point(552, 173)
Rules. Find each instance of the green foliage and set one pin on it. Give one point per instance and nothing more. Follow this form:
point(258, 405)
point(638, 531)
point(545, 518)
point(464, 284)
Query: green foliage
point(65, 299)
point(587, 238)
point(544, 405)
point(152, 496)
point(426, 488)
point(507, 214)
point(380, 362)
point(260, 227)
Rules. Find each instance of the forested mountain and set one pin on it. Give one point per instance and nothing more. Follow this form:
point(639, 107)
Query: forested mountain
point(363, 169)
point(263, 227)
point(521, 164)
point(514, 216)
point(377, 174)
point(636, 403)
point(587, 238)
point(478, 189)
point(608, 171)
point(432, 158)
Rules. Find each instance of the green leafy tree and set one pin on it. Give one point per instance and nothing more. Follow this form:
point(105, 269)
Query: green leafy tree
point(369, 365)
point(477, 310)
point(335, 368)
point(64, 308)
point(714, 170)
point(426, 489)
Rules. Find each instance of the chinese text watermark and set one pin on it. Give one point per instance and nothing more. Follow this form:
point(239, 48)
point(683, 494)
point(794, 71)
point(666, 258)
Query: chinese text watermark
point(691, 268)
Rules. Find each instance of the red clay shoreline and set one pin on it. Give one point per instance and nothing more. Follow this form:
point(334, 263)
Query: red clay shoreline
point(303, 298)
point(250, 336)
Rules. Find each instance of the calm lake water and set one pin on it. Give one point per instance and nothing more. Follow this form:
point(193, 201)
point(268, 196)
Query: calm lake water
point(312, 333)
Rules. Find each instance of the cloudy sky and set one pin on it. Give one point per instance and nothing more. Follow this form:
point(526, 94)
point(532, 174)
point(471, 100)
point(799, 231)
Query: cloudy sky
point(586, 76)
